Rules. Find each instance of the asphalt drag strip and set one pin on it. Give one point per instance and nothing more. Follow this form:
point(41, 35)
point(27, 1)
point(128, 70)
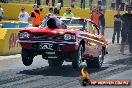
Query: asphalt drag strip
point(13, 74)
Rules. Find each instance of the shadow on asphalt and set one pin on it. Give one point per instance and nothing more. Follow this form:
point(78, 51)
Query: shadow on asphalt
point(127, 61)
point(65, 71)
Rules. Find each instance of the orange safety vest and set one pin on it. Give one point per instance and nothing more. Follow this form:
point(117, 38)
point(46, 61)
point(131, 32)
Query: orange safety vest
point(37, 19)
point(95, 18)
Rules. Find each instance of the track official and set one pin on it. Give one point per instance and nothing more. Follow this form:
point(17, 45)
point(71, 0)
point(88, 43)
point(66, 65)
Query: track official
point(35, 14)
point(126, 31)
point(95, 16)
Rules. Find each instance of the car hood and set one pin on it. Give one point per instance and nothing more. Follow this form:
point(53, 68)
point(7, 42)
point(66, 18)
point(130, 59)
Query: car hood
point(50, 31)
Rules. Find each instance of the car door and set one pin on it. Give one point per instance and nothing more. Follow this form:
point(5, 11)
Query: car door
point(96, 46)
point(91, 45)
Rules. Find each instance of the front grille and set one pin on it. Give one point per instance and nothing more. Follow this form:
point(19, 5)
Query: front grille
point(47, 36)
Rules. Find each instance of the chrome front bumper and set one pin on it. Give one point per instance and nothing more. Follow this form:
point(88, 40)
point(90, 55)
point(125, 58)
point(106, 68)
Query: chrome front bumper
point(51, 42)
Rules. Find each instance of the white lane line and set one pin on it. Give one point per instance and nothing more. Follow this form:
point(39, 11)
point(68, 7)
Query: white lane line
point(10, 57)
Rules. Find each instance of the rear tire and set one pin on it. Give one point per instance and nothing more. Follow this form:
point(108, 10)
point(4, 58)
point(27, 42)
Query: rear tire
point(77, 58)
point(96, 63)
point(27, 57)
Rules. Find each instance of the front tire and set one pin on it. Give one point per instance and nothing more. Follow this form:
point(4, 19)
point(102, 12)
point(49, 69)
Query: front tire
point(77, 58)
point(27, 57)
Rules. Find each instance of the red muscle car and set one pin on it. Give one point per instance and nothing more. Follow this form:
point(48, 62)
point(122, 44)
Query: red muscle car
point(64, 39)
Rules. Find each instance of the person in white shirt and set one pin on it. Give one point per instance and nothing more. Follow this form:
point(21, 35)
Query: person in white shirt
point(1, 12)
point(23, 15)
point(57, 9)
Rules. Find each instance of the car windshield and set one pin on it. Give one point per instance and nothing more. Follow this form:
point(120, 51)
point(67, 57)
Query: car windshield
point(44, 23)
point(58, 22)
point(71, 23)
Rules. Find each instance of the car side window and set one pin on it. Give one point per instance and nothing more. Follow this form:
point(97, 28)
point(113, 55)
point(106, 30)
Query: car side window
point(96, 30)
point(92, 28)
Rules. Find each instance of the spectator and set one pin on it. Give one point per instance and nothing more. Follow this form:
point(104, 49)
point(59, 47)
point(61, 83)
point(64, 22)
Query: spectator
point(68, 13)
point(53, 2)
point(82, 3)
point(99, 5)
point(117, 26)
point(122, 4)
point(127, 3)
point(102, 21)
point(21, 1)
point(118, 4)
point(90, 4)
point(61, 1)
point(113, 4)
point(35, 14)
point(99, 2)
point(23, 15)
point(104, 3)
point(51, 13)
point(72, 3)
point(48, 2)
point(57, 9)
point(95, 16)
point(1, 12)
point(126, 31)
point(4, 1)
point(38, 2)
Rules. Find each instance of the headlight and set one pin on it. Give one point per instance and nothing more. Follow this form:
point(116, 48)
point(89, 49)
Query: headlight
point(69, 37)
point(24, 35)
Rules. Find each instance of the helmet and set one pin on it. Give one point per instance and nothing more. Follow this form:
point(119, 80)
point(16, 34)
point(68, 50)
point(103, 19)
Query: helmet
point(54, 22)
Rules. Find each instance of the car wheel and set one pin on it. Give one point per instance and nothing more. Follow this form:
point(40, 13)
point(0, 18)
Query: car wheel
point(100, 59)
point(55, 63)
point(77, 58)
point(27, 57)
point(96, 63)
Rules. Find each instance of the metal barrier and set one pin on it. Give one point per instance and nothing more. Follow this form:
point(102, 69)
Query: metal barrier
point(14, 24)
